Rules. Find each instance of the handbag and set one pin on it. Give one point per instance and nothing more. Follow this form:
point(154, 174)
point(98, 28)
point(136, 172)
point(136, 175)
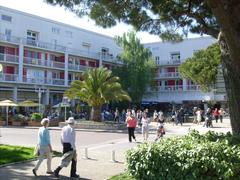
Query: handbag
point(36, 151)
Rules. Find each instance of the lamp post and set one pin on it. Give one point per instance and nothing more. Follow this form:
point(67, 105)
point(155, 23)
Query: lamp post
point(39, 90)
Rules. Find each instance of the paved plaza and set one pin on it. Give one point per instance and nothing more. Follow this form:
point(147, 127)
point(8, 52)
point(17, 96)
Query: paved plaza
point(100, 146)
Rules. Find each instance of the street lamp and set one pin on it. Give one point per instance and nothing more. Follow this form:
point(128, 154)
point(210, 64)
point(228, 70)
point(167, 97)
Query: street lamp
point(39, 90)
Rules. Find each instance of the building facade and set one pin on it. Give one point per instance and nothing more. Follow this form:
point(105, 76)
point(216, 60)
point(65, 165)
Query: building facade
point(40, 58)
point(169, 86)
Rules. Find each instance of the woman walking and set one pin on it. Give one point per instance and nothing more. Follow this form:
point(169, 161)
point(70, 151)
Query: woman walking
point(145, 128)
point(44, 146)
point(131, 124)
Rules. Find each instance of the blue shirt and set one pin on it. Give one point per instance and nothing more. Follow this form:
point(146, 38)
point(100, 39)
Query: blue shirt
point(43, 136)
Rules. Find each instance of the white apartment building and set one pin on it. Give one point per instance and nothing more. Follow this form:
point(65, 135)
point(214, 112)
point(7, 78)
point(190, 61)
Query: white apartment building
point(170, 87)
point(40, 57)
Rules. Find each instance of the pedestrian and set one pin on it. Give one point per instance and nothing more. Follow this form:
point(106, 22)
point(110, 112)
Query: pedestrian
point(155, 116)
point(69, 149)
point(131, 124)
point(44, 147)
point(116, 115)
point(145, 128)
point(139, 118)
point(199, 115)
point(216, 114)
point(221, 113)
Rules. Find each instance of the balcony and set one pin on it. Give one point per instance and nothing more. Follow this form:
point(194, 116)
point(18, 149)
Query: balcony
point(9, 58)
point(77, 67)
point(7, 38)
point(40, 62)
point(44, 45)
point(168, 75)
point(45, 81)
point(82, 53)
point(8, 77)
point(175, 88)
point(54, 47)
point(168, 62)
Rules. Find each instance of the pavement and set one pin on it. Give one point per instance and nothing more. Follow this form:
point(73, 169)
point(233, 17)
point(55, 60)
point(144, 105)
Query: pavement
point(100, 163)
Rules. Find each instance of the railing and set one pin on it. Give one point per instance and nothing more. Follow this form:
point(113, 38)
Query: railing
point(168, 62)
point(168, 74)
point(175, 88)
point(7, 38)
point(40, 62)
point(83, 53)
point(55, 47)
point(44, 45)
point(34, 61)
point(9, 58)
point(57, 64)
point(77, 67)
point(193, 88)
point(8, 77)
point(43, 81)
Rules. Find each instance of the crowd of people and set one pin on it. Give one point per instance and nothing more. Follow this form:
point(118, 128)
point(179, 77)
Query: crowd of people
point(131, 117)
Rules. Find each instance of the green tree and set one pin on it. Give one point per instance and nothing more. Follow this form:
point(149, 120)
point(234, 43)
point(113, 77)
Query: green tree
point(136, 74)
point(174, 19)
point(202, 67)
point(97, 87)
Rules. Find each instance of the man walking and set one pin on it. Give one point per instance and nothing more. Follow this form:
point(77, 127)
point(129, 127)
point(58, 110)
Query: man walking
point(69, 149)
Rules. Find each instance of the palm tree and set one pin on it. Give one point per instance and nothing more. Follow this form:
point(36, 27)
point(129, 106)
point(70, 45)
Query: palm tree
point(97, 87)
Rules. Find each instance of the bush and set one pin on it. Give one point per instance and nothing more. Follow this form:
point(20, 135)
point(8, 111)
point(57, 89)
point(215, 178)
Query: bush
point(36, 116)
point(18, 117)
point(194, 156)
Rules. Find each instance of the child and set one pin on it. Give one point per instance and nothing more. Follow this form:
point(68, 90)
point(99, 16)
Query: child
point(160, 129)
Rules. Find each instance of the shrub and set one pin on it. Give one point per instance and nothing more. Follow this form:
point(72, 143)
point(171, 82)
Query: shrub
point(36, 116)
point(18, 117)
point(194, 156)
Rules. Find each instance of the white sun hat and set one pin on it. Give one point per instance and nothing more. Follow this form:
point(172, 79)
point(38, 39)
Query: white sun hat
point(70, 120)
point(44, 121)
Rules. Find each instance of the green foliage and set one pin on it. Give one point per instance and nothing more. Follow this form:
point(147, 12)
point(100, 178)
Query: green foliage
point(98, 87)
point(36, 116)
point(137, 72)
point(194, 156)
point(202, 68)
point(19, 117)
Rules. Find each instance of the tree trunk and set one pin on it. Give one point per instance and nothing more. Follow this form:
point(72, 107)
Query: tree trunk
point(228, 16)
point(231, 76)
point(96, 113)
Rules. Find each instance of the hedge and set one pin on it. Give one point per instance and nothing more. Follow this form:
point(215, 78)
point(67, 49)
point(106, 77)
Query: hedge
point(194, 156)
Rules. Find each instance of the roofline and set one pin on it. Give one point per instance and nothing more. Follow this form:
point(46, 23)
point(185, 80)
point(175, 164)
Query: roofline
point(52, 21)
point(187, 39)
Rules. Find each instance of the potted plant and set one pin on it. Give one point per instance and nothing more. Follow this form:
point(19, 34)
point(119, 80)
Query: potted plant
point(35, 119)
point(2, 120)
point(18, 120)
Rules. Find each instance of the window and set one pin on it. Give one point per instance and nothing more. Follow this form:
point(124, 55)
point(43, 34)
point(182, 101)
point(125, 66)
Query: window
point(6, 18)
point(69, 34)
point(32, 37)
point(175, 57)
point(55, 30)
point(104, 50)
point(85, 44)
point(8, 33)
point(157, 58)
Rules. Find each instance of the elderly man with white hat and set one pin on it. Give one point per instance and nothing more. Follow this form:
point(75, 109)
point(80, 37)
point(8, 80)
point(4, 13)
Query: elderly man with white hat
point(44, 147)
point(69, 148)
